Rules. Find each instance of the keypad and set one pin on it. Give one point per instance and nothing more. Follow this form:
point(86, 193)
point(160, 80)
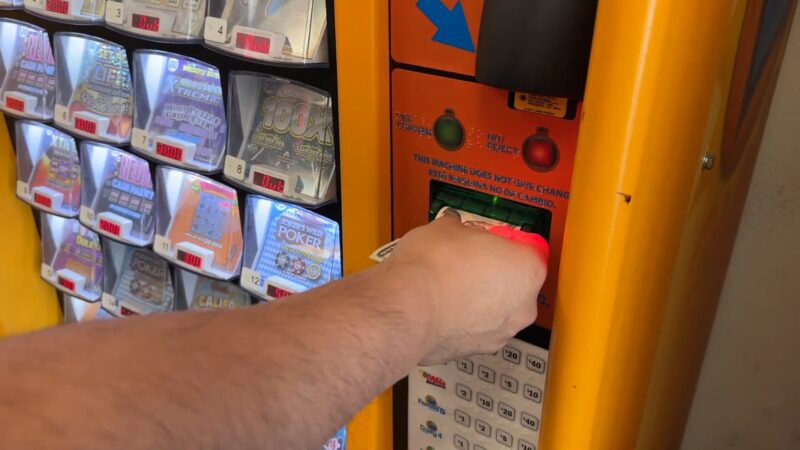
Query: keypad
point(482, 402)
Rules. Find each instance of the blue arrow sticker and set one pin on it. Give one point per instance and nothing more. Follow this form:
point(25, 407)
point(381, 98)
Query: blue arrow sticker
point(452, 27)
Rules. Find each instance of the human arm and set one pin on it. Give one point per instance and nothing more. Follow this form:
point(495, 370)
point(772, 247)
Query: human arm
point(283, 375)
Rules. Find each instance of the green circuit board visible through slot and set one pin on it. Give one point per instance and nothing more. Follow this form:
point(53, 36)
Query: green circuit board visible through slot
point(528, 218)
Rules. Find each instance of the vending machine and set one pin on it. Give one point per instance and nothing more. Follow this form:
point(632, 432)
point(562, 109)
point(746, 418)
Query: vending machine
point(172, 152)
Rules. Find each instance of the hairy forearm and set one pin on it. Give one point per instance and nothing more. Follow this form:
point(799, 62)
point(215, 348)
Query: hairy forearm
point(282, 376)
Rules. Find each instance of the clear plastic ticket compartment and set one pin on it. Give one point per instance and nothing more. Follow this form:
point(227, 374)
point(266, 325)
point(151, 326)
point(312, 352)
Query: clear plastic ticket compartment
point(338, 441)
point(277, 31)
point(27, 71)
point(288, 249)
point(71, 11)
point(197, 223)
point(72, 258)
point(48, 169)
point(198, 292)
point(161, 20)
point(94, 96)
point(137, 281)
point(77, 310)
point(179, 115)
point(117, 195)
point(280, 139)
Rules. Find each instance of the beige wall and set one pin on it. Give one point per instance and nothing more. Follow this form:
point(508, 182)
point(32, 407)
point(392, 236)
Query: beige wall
point(748, 396)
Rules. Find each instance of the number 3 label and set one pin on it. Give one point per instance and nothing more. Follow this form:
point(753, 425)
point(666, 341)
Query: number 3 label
point(114, 12)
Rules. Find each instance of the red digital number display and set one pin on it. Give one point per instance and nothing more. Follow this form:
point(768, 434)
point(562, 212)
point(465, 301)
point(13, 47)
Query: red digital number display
point(190, 259)
point(253, 43)
point(15, 104)
point(127, 312)
point(86, 125)
point(57, 6)
point(272, 183)
point(67, 283)
point(110, 227)
point(276, 292)
point(169, 151)
point(42, 200)
point(143, 22)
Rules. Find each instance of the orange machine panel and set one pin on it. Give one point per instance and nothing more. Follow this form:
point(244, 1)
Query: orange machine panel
point(494, 156)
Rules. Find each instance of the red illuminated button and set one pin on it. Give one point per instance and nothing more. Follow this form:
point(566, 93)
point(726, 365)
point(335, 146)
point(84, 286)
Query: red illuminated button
point(539, 151)
point(276, 292)
point(127, 312)
point(86, 125)
point(190, 259)
point(66, 283)
point(110, 227)
point(269, 182)
point(15, 104)
point(253, 43)
point(57, 6)
point(146, 23)
point(169, 151)
point(43, 200)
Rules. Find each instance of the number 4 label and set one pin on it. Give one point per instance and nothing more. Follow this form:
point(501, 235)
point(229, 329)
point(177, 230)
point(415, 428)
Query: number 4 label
point(114, 12)
point(216, 29)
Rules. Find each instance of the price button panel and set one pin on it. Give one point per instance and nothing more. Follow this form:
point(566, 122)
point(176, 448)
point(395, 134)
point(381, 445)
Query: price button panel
point(497, 404)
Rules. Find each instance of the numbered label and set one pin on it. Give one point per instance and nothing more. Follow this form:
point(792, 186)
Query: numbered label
point(34, 3)
point(162, 245)
point(251, 280)
point(139, 139)
point(114, 12)
point(22, 189)
point(216, 29)
point(109, 300)
point(47, 272)
point(87, 215)
point(234, 167)
point(62, 115)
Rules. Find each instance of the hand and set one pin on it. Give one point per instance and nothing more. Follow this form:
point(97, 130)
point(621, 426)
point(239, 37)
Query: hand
point(474, 290)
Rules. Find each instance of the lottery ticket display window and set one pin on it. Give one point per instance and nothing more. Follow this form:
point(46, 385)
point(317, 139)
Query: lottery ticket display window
point(117, 195)
point(179, 116)
point(289, 32)
point(288, 249)
point(94, 96)
point(197, 223)
point(48, 169)
point(137, 281)
point(158, 20)
point(280, 141)
point(27, 71)
point(72, 259)
point(198, 292)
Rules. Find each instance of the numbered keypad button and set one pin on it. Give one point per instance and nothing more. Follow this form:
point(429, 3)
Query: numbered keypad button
point(525, 445)
point(483, 428)
point(532, 393)
point(462, 418)
point(508, 383)
point(529, 421)
point(535, 363)
point(465, 366)
point(486, 374)
point(504, 438)
point(511, 354)
point(464, 392)
point(460, 443)
point(507, 411)
point(485, 402)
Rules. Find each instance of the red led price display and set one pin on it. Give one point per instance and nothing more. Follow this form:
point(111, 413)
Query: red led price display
point(143, 22)
point(127, 312)
point(43, 200)
point(57, 6)
point(67, 283)
point(88, 126)
point(15, 104)
point(276, 292)
point(272, 183)
point(169, 151)
point(190, 259)
point(110, 227)
point(252, 42)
